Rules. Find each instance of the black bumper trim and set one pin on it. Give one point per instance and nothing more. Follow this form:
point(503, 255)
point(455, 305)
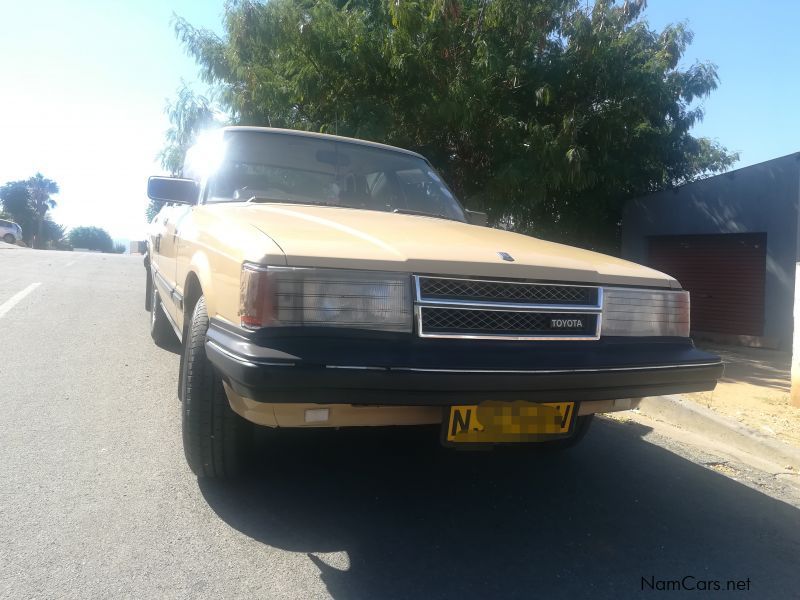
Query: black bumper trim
point(536, 371)
point(280, 376)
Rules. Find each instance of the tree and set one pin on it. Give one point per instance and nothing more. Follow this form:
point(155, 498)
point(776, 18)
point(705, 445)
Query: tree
point(53, 235)
point(40, 188)
point(91, 238)
point(188, 114)
point(15, 198)
point(28, 202)
point(548, 113)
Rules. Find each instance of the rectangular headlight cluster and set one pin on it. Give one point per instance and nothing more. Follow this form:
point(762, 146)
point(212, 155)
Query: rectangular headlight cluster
point(631, 312)
point(287, 296)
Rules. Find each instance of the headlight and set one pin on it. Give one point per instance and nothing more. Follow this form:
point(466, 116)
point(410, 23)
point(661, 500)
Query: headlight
point(645, 312)
point(287, 297)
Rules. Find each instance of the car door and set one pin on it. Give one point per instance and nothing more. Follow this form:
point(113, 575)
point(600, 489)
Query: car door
point(170, 246)
point(162, 259)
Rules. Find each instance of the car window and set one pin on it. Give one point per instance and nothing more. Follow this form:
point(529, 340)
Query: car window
point(422, 189)
point(240, 180)
point(308, 170)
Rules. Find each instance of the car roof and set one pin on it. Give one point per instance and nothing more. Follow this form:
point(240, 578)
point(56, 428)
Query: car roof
point(313, 134)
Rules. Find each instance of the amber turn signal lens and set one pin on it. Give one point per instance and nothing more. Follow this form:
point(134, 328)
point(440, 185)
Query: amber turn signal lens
point(256, 300)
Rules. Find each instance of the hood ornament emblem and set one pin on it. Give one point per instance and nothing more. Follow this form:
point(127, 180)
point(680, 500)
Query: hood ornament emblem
point(506, 256)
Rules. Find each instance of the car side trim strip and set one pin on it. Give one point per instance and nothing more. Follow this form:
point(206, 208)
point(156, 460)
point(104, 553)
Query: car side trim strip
point(171, 321)
point(162, 281)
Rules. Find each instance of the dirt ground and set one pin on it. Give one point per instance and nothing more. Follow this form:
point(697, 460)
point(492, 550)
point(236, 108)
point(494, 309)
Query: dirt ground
point(755, 391)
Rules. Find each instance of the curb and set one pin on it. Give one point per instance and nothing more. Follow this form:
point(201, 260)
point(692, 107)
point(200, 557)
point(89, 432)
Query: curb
point(688, 415)
point(4, 246)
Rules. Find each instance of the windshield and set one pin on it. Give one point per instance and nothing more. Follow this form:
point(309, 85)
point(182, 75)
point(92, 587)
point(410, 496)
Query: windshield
point(307, 170)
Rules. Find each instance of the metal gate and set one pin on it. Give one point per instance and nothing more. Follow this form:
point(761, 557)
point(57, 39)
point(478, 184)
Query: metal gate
point(725, 275)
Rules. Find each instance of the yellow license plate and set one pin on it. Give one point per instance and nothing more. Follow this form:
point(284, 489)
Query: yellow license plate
point(506, 422)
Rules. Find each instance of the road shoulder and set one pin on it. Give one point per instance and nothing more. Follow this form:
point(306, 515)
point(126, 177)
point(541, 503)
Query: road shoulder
point(719, 444)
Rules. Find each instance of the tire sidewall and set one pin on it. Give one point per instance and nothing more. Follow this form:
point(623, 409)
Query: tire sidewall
point(148, 291)
point(216, 440)
point(189, 416)
point(154, 304)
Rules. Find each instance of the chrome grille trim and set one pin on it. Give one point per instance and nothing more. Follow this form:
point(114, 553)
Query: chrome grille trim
point(477, 335)
point(485, 295)
point(564, 297)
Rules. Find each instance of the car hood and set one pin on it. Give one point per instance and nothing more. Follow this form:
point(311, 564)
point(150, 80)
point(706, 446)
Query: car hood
point(321, 236)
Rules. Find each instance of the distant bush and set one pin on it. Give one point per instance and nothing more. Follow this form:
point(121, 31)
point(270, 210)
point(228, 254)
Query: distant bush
point(119, 248)
point(91, 238)
point(54, 236)
point(62, 244)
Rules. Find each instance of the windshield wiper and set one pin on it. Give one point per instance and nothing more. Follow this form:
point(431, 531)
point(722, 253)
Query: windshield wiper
point(419, 213)
point(265, 199)
point(400, 211)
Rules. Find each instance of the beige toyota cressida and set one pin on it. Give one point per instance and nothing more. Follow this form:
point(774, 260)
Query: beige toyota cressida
point(321, 281)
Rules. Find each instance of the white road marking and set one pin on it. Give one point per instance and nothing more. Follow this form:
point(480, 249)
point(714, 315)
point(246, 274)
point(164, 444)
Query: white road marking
point(11, 302)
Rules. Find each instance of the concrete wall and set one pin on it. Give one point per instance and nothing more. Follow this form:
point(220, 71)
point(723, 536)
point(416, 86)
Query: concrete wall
point(759, 198)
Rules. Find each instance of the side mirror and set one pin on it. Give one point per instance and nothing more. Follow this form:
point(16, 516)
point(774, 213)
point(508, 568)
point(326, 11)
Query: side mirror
point(477, 218)
point(172, 189)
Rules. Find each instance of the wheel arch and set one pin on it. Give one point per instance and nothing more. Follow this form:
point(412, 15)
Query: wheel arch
point(193, 290)
point(198, 283)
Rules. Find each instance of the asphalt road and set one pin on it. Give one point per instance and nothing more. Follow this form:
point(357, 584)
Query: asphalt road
point(96, 500)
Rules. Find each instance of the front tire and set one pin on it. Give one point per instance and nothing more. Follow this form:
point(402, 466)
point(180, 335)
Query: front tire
point(216, 440)
point(9, 239)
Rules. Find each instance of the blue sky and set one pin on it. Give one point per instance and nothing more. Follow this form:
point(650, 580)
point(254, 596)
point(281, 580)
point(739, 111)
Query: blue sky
point(85, 84)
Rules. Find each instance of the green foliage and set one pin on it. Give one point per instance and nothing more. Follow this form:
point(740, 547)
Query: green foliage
point(188, 114)
point(119, 248)
point(549, 113)
point(153, 206)
point(28, 202)
point(15, 199)
point(40, 189)
point(53, 234)
point(91, 238)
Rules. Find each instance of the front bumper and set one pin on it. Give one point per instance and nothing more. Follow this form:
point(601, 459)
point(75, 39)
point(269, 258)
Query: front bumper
point(403, 370)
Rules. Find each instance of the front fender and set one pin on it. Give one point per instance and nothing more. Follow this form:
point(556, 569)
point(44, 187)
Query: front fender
point(200, 267)
point(213, 248)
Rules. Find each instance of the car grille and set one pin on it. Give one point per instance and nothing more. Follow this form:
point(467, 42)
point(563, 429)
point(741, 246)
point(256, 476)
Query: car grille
point(467, 322)
point(478, 290)
point(457, 307)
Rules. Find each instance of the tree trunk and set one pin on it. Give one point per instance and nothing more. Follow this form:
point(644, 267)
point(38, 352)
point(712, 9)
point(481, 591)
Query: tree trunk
point(37, 238)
